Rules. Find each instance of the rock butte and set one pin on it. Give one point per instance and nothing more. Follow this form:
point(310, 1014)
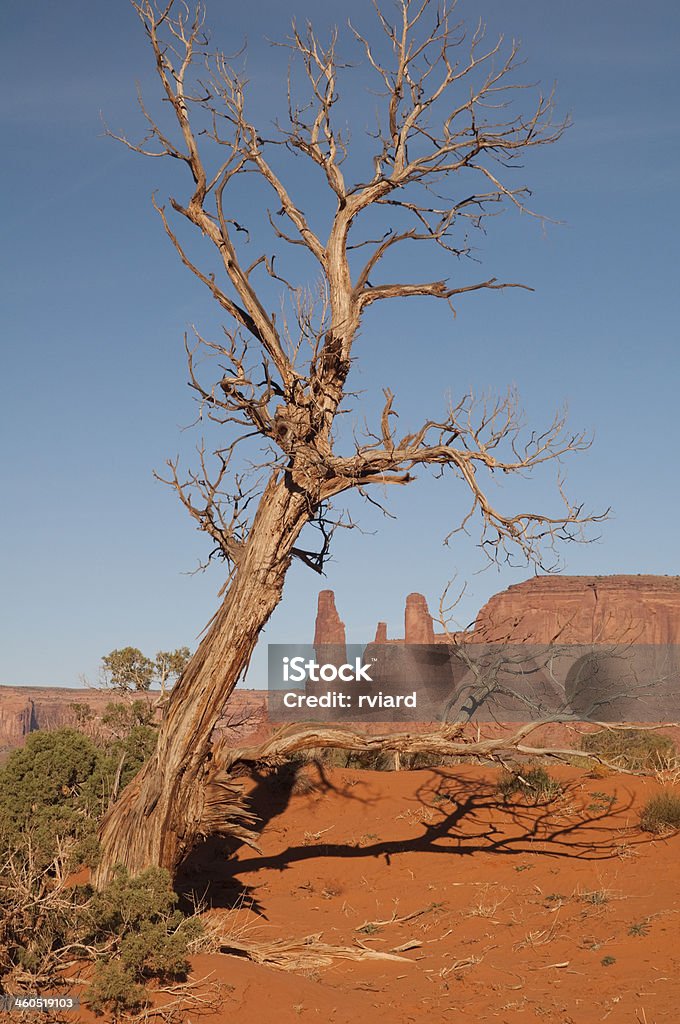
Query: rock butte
point(542, 610)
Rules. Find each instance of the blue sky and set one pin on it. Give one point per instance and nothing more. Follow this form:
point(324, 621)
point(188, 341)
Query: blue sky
point(94, 554)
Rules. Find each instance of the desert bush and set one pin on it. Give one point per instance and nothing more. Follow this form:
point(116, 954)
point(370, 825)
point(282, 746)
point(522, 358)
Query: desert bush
point(535, 784)
point(46, 795)
point(137, 918)
point(54, 789)
point(425, 759)
point(370, 760)
point(661, 813)
point(112, 989)
point(633, 749)
point(130, 932)
point(121, 718)
point(52, 793)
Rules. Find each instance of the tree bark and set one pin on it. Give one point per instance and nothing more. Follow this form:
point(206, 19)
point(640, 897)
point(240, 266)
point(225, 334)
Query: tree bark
point(178, 797)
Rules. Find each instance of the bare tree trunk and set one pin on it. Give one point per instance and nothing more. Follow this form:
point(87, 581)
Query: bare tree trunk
point(177, 797)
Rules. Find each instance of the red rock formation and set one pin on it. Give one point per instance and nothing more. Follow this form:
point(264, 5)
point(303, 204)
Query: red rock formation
point(584, 609)
point(26, 709)
point(23, 709)
point(16, 717)
point(329, 634)
point(381, 633)
point(418, 628)
point(329, 627)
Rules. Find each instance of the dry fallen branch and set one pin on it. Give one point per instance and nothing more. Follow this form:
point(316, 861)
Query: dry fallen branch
point(397, 920)
point(197, 995)
point(448, 741)
point(305, 954)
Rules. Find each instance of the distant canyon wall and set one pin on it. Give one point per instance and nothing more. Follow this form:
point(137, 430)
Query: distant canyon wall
point(26, 709)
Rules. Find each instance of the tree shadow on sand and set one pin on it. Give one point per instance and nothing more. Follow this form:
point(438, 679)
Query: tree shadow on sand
point(472, 818)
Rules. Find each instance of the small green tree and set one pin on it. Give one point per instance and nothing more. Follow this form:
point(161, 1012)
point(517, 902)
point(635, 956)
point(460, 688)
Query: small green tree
point(122, 718)
point(127, 669)
point(170, 665)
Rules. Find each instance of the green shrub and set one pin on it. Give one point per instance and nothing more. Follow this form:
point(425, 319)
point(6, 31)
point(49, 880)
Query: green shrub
point(661, 813)
point(634, 749)
point(121, 718)
point(131, 931)
point(46, 795)
point(534, 784)
point(55, 788)
point(113, 989)
point(52, 794)
point(139, 918)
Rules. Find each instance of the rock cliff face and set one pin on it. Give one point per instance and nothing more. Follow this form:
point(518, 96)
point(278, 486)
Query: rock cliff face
point(585, 610)
point(16, 717)
point(23, 709)
point(563, 609)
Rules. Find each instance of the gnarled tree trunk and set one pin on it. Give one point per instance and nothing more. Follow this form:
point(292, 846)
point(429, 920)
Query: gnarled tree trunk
point(177, 797)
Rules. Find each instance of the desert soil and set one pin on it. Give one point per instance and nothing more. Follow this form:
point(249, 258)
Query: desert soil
point(564, 912)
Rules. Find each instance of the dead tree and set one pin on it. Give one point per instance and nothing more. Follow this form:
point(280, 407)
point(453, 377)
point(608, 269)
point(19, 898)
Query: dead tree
point(454, 120)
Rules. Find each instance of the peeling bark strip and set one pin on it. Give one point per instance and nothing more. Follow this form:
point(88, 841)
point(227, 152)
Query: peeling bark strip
point(451, 105)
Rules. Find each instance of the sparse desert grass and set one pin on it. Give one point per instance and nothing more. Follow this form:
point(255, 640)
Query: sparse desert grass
point(416, 817)
point(667, 771)
point(442, 797)
point(600, 802)
point(310, 838)
point(489, 903)
point(535, 784)
point(538, 937)
point(639, 928)
point(632, 749)
point(661, 813)
point(596, 897)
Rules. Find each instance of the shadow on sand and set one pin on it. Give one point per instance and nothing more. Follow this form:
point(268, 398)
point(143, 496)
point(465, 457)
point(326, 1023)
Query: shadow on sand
point(472, 819)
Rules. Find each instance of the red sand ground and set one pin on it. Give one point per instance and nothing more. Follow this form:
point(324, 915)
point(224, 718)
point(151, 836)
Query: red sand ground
point(563, 913)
